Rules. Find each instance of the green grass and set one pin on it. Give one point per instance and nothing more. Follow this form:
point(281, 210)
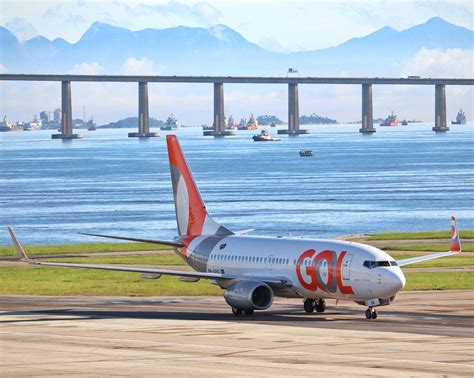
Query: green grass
point(152, 260)
point(63, 281)
point(466, 247)
point(439, 281)
point(464, 234)
point(83, 248)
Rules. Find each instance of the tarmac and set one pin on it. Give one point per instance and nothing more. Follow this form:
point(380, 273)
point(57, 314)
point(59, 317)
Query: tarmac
point(421, 334)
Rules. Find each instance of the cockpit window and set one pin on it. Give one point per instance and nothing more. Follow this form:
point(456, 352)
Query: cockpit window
point(375, 264)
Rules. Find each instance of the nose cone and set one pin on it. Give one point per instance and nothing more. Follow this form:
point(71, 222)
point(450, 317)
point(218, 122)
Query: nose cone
point(394, 280)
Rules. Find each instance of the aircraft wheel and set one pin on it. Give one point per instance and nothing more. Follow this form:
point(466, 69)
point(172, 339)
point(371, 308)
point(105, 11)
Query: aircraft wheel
point(374, 313)
point(320, 305)
point(368, 313)
point(248, 312)
point(309, 305)
point(237, 311)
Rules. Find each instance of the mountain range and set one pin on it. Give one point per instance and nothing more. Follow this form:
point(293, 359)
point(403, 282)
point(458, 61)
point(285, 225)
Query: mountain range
point(220, 50)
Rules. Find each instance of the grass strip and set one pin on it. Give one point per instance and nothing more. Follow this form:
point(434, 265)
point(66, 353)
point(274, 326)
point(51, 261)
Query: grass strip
point(439, 281)
point(83, 248)
point(465, 234)
point(63, 281)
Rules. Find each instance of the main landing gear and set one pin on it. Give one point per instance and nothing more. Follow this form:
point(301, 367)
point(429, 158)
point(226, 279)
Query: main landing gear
point(371, 313)
point(238, 311)
point(311, 304)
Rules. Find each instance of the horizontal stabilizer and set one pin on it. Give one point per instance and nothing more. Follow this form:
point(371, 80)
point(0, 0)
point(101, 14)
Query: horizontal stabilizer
point(163, 242)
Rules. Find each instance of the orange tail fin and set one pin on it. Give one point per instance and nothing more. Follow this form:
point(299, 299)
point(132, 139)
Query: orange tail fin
point(191, 213)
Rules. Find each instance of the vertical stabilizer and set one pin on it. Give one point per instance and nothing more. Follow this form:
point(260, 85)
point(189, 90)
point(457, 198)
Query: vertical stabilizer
point(191, 213)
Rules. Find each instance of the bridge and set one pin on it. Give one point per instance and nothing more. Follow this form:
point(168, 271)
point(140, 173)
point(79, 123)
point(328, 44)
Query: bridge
point(219, 129)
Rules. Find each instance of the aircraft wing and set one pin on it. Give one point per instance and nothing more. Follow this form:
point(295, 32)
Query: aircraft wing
point(455, 248)
point(145, 271)
point(163, 242)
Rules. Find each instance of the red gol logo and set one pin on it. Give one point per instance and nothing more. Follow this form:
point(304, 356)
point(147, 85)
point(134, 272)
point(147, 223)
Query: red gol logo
point(313, 271)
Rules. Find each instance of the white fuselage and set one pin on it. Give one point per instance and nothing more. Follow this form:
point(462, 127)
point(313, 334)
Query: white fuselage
point(316, 268)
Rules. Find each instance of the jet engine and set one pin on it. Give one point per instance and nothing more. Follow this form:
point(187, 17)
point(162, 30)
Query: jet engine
point(249, 295)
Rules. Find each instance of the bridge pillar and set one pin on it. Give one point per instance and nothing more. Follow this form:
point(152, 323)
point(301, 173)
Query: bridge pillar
point(143, 113)
point(367, 110)
point(293, 112)
point(440, 109)
point(218, 125)
point(66, 114)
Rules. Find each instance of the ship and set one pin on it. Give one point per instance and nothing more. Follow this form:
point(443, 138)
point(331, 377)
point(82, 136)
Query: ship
point(391, 120)
point(404, 122)
point(207, 127)
point(231, 124)
point(460, 118)
point(10, 126)
point(264, 137)
point(171, 124)
point(32, 125)
point(273, 124)
point(251, 124)
point(91, 125)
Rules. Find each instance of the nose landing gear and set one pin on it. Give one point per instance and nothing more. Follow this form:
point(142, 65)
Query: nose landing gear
point(311, 304)
point(371, 313)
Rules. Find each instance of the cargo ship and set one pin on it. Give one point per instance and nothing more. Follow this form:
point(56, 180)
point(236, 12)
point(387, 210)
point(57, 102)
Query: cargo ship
point(32, 125)
point(91, 125)
point(391, 120)
point(10, 126)
point(250, 125)
point(231, 124)
point(460, 118)
point(171, 124)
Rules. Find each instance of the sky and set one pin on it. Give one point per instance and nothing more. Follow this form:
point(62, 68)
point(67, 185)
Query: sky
point(282, 26)
point(273, 24)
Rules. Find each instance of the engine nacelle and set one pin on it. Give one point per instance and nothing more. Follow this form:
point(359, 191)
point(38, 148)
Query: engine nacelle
point(249, 295)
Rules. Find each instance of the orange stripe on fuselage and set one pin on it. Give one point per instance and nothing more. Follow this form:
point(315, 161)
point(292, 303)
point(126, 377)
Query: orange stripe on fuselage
point(197, 212)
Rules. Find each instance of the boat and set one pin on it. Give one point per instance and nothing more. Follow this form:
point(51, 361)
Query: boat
point(251, 124)
point(32, 125)
point(231, 124)
point(207, 127)
point(404, 122)
point(391, 120)
point(10, 126)
point(306, 153)
point(91, 125)
point(264, 137)
point(460, 118)
point(171, 124)
point(273, 124)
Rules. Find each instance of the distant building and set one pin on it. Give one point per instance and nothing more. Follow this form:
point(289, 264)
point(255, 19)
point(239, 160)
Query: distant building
point(45, 116)
point(57, 116)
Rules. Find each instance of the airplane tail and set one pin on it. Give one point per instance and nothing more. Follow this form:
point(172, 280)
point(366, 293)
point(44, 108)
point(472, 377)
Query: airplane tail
point(191, 213)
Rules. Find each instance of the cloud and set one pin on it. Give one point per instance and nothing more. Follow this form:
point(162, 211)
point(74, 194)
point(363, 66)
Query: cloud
point(3, 69)
point(133, 66)
point(87, 69)
point(207, 13)
point(21, 28)
point(441, 63)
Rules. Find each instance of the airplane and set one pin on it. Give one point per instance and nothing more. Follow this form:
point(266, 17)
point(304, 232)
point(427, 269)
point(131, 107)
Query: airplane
point(252, 270)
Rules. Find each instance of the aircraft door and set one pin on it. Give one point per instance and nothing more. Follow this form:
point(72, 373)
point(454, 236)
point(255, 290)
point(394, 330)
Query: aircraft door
point(346, 267)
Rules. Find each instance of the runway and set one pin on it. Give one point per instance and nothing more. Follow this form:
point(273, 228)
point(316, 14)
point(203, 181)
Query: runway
point(423, 333)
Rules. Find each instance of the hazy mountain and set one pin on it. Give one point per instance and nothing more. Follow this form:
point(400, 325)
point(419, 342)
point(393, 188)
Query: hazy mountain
point(220, 50)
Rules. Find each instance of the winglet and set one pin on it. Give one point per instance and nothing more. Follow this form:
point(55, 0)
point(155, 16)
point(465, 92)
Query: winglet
point(19, 249)
point(455, 240)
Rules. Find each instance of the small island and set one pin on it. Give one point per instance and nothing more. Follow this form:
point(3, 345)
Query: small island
point(268, 120)
point(315, 119)
point(130, 122)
